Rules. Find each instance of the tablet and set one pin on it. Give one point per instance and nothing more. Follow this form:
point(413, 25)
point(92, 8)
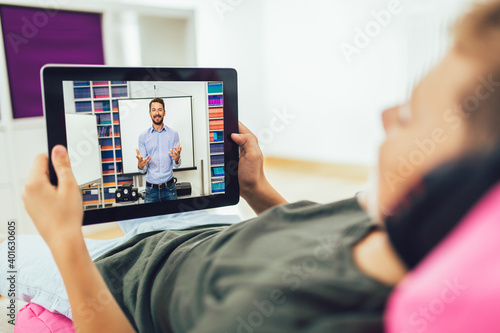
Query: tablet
point(145, 141)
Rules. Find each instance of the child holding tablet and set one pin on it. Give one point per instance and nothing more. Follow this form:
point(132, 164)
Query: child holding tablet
point(300, 267)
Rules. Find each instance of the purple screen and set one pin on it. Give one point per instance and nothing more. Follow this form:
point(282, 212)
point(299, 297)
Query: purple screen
point(34, 37)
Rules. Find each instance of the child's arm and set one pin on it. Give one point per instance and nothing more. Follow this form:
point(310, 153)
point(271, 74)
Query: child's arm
point(57, 213)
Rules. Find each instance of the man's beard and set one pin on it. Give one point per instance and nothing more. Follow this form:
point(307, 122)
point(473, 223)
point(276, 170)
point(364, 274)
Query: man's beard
point(158, 122)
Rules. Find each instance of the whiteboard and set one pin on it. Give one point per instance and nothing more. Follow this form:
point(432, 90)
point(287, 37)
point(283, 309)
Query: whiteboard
point(135, 119)
point(83, 148)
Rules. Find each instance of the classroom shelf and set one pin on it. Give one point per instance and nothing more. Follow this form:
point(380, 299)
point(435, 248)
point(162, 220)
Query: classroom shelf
point(215, 110)
point(100, 98)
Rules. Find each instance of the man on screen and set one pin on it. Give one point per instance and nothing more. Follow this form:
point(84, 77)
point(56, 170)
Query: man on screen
point(158, 154)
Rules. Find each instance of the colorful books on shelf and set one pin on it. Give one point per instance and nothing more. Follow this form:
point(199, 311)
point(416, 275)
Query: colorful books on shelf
point(106, 167)
point(108, 179)
point(216, 136)
point(215, 88)
point(101, 92)
point(104, 131)
point(108, 194)
point(81, 83)
point(90, 198)
point(217, 171)
point(218, 187)
point(125, 180)
point(101, 106)
point(119, 91)
point(216, 159)
point(100, 83)
point(215, 100)
point(107, 155)
point(82, 92)
point(216, 125)
point(216, 148)
point(215, 113)
point(103, 119)
point(83, 106)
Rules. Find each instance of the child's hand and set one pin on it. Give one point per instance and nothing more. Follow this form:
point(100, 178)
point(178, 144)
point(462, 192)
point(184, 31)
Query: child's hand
point(251, 165)
point(56, 211)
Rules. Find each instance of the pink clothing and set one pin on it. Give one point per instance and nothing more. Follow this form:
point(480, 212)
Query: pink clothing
point(36, 319)
point(456, 288)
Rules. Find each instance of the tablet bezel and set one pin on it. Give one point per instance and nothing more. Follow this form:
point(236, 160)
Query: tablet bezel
point(52, 77)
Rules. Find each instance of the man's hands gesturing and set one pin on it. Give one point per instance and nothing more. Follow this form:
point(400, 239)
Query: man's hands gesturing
point(254, 187)
point(175, 153)
point(142, 162)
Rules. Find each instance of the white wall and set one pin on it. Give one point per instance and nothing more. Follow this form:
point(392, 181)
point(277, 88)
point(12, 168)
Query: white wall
point(337, 102)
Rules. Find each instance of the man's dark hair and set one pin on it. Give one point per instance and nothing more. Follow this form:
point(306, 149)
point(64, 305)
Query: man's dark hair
point(157, 100)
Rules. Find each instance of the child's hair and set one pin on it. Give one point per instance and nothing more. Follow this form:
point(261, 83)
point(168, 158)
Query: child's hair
point(478, 32)
point(477, 35)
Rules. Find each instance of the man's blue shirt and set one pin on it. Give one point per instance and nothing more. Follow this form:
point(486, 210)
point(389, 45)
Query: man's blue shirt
point(157, 145)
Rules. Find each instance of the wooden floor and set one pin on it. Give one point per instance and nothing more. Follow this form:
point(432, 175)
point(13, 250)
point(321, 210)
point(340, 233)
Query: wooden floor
point(113, 231)
point(327, 170)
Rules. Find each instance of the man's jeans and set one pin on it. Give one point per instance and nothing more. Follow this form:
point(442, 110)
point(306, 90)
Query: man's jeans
point(156, 195)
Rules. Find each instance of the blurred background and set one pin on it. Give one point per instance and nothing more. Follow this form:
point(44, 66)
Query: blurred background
point(314, 75)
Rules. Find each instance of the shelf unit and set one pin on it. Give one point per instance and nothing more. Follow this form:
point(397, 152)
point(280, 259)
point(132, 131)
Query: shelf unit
point(216, 131)
point(100, 98)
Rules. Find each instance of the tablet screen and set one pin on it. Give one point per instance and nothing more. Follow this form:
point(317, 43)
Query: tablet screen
point(146, 147)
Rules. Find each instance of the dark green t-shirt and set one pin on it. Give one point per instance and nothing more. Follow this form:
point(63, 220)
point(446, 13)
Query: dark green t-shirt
point(288, 270)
